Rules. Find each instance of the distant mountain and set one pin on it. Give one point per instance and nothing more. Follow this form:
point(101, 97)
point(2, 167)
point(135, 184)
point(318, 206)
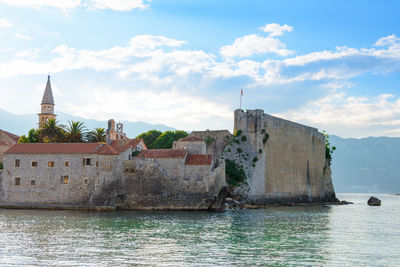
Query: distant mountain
point(366, 165)
point(21, 124)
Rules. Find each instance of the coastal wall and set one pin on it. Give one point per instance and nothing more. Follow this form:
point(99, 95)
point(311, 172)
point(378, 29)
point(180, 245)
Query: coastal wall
point(287, 159)
point(149, 186)
point(72, 184)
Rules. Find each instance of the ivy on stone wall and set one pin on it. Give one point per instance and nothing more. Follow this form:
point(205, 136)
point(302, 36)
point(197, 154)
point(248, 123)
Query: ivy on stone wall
point(234, 173)
point(1, 165)
point(328, 148)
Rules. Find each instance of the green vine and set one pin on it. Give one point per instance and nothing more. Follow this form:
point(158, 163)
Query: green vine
point(328, 148)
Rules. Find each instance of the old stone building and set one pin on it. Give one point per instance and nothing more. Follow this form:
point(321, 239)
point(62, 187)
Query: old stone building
point(64, 173)
point(180, 178)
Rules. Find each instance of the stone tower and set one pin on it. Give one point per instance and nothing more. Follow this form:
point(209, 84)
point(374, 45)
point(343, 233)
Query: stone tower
point(47, 105)
point(115, 132)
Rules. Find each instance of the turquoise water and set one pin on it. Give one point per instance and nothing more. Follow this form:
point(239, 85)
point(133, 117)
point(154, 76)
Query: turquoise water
point(323, 236)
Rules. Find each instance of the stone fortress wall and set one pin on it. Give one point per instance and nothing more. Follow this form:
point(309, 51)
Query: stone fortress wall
point(287, 159)
point(171, 184)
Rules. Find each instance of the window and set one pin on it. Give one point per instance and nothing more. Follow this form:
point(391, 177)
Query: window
point(51, 164)
point(66, 164)
point(97, 164)
point(33, 182)
point(17, 181)
point(85, 181)
point(87, 161)
point(17, 162)
point(107, 164)
point(65, 179)
point(34, 163)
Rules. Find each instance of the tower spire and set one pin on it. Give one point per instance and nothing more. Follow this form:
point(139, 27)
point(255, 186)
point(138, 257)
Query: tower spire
point(47, 105)
point(48, 93)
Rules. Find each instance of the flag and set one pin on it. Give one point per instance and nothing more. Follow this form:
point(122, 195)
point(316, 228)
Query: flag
point(241, 91)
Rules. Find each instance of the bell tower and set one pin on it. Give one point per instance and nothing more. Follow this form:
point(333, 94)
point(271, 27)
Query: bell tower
point(47, 105)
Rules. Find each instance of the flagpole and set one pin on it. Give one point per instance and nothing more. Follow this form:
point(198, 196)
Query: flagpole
point(241, 95)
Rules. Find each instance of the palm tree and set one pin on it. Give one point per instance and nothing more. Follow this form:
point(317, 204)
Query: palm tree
point(74, 132)
point(51, 132)
point(98, 135)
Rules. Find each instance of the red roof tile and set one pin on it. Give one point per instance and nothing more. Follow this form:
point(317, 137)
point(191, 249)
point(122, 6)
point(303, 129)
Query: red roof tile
point(54, 148)
point(12, 136)
point(163, 153)
point(112, 149)
point(199, 159)
point(132, 142)
point(191, 138)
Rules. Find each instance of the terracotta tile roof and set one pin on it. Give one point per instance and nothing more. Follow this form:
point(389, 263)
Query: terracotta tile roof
point(191, 138)
point(163, 153)
point(113, 149)
point(136, 141)
point(199, 159)
point(12, 136)
point(54, 148)
point(132, 142)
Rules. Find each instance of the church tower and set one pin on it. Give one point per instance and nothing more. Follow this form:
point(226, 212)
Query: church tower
point(47, 105)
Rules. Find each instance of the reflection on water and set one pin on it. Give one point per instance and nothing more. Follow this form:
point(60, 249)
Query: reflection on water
point(334, 235)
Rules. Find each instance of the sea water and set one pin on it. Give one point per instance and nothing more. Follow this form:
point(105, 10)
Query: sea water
point(349, 235)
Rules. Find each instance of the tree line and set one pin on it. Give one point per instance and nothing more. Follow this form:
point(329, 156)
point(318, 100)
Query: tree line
point(74, 132)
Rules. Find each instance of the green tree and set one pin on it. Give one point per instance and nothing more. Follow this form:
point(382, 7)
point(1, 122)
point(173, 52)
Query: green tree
point(74, 132)
point(1, 165)
point(98, 135)
point(166, 139)
point(33, 137)
point(150, 137)
point(51, 132)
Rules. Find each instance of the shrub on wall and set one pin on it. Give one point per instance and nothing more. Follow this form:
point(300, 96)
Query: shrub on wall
point(244, 138)
point(234, 173)
point(1, 165)
point(237, 133)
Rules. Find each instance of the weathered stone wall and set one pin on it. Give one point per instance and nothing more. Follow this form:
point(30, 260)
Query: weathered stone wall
point(85, 182)
point(148, 186)
point(291, 159)
point(193, 147)
point(216, 141)
point(3, 148)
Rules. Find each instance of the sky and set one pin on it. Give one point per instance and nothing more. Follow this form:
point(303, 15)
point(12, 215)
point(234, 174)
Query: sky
point(333, 65)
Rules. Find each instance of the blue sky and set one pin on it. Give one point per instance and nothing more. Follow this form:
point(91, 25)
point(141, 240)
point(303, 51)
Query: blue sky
point(333, 65)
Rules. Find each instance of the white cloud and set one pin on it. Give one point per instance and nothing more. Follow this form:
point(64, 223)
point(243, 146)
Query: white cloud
point(29, 53)
point(116, 5)
point(351, 116)
point(173, 108)
point(391, 40)
point(253, 44)
point(275, 29)
point(4, 23)
point(21, 36)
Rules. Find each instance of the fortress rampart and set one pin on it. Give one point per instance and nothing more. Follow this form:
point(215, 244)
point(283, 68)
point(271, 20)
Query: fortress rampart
point(288, 159)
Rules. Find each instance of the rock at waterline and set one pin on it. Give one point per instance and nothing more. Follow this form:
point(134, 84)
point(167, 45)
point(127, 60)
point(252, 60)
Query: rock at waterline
point(373, 201)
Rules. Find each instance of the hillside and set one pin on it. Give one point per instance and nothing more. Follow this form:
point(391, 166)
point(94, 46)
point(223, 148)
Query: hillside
point(21, 124)
point(366, 165)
